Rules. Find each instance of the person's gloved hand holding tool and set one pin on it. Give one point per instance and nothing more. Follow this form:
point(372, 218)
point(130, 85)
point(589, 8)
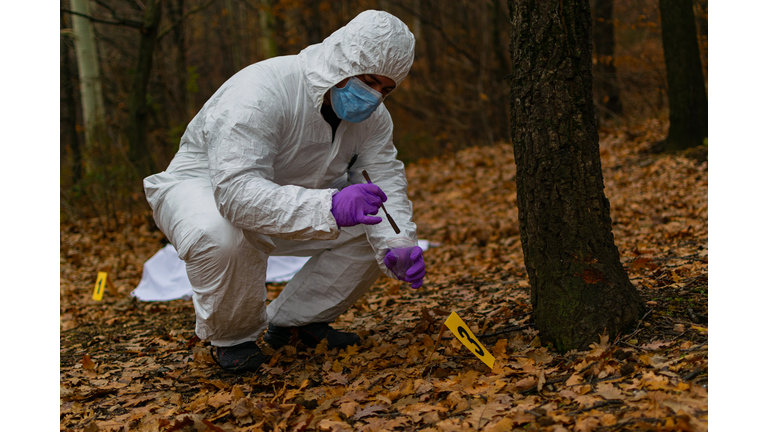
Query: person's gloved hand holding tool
point(351, 205)
point(405, 260)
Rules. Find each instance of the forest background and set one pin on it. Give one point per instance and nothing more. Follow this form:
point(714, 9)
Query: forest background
point(446, 105)
point(456, 95)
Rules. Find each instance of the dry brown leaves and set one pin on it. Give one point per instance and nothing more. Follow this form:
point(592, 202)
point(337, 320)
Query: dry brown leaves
point(137, 366)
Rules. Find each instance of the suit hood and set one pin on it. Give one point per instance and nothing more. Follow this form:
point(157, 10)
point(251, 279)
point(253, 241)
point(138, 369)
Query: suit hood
point(374, 42)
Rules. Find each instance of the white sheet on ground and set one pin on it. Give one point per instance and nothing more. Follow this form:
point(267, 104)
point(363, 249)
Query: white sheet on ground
point(165, 276)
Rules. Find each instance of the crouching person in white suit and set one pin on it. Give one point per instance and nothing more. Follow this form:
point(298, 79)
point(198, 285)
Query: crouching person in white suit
point(271, 165)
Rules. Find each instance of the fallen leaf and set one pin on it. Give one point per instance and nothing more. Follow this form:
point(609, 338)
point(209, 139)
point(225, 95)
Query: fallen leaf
point(336, 378)
point(202, 355)
point(525, 383)
point(421, 386)
point(219, 399)
point(88, 364)
point(416, 409)
point(520, 417)
point(653, 346)
point(302, 423)
point(370, 410)
point(334, 426)
point(586, 424)
point(540, 356)
point(574, 379)
point(237, 393)
point(377, 424)
point(601, 346)
point(608, 391)
point(322, 347)
point(349, 408)
point(241, 408)
point(608, 420)
point(353, 396)
point(503, 425)
point(586, 401)
point(219, 384)
point(639, 264)
point(482, 414)
point(536, 342)
point(500, 348)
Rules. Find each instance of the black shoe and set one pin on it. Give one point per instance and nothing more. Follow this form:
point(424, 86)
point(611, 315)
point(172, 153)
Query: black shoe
point(276, 336)
point(311, 335)
point(244, 357)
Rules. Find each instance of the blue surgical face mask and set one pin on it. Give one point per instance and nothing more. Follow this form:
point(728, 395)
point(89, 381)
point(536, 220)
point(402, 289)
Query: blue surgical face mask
point(355, 102)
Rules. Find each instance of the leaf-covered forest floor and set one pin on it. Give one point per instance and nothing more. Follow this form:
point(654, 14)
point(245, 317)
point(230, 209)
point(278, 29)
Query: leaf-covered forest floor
point(127, 365)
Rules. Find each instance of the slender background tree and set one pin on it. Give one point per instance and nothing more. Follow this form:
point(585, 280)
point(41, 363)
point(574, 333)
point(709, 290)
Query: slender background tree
point(138, 109)
point(91, 96)
point(687, 91)
point(606, 86)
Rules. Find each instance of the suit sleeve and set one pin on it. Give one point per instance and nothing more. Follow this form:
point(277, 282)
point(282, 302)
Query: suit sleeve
point(243, 135)
point(378, 157)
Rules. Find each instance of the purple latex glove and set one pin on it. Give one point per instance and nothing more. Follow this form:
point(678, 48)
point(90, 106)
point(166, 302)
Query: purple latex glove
point(407, 264)
point(352, 204)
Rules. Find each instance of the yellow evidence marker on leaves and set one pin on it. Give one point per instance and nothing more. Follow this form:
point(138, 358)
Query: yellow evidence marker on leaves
point(102, 281)
point(465, 335)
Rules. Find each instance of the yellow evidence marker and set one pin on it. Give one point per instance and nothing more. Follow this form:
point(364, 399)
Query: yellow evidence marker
point(465, 335)
point(102, 281)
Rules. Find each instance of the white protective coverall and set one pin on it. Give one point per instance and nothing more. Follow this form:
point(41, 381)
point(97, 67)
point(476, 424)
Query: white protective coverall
point(254, 176)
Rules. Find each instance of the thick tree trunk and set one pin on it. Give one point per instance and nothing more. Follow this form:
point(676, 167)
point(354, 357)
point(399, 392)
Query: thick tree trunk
point(578, 285)
point(685, 79)
point(138, 109)
point(90, 80)
point(606, 83)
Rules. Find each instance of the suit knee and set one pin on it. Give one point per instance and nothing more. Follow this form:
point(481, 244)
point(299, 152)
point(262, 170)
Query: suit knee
point(216, 239)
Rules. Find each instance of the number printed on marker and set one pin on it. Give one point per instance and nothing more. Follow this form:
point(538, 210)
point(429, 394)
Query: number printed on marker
point(479, 350)
point(102, 281)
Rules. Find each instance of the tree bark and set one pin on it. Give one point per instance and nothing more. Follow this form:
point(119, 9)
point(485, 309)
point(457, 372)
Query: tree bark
point(416, 26)
point(138, 109)
point(685, 79)
point(91, 96)
point(606, 82)
point(504, 67)
point(267, 25)
point(176, 13)
point(578, 285)
point(68, 132)
point(234, 34)
point(312, 19)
